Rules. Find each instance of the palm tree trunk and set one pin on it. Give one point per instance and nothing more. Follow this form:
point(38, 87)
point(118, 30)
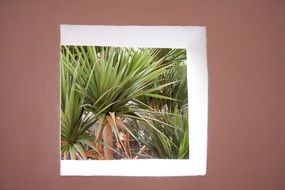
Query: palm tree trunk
point(98, 144)
point(128, 147)
point(108, 141)
point(90, 154)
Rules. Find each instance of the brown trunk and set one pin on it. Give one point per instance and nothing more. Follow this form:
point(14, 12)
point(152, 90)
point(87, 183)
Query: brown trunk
point(90, 154)
point(128, 144)
point(108, 141)
point(98, 144)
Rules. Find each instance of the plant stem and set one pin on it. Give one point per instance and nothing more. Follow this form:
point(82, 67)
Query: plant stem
point(108, 141)
point(140, 152)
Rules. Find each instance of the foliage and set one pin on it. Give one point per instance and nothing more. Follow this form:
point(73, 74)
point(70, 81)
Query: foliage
point(173, 145)
point(123, 91)
point(74, 121)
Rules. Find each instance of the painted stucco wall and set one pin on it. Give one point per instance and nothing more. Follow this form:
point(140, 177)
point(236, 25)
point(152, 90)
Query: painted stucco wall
point(246, 53)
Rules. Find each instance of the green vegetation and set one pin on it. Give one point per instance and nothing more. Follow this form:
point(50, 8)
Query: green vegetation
point(123, 103)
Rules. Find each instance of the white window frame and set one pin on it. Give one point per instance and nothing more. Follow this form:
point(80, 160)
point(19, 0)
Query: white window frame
point(193, 38)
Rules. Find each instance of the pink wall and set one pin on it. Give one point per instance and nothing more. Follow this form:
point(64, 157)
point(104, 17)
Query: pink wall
point(246, 56)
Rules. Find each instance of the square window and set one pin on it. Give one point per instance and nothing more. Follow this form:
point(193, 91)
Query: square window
point(125, 106)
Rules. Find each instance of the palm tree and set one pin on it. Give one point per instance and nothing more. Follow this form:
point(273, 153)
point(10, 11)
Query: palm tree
point(115, 86)
point(74, 121)
point(175, 128)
